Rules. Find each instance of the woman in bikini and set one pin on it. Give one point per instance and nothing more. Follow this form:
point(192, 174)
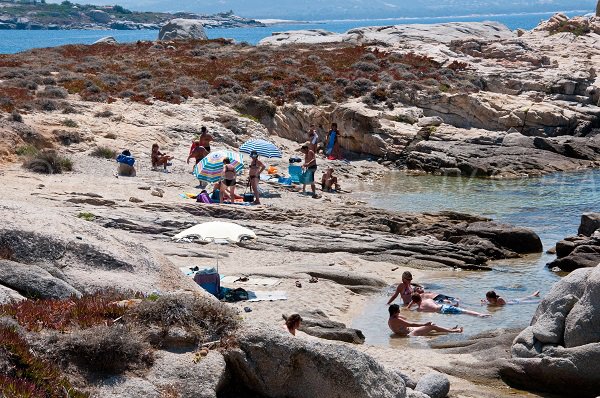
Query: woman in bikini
point(402, 327)
point(256, 167)
point(227, 180)
point(404, 289)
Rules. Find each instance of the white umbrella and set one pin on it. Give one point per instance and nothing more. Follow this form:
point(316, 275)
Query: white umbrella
point(219, 232)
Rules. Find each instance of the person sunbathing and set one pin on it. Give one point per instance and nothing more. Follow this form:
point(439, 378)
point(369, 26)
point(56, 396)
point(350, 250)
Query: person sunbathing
point(428, 305)
point(400, 326)
point(216, 187)
point(437, 297)
point(491, 298)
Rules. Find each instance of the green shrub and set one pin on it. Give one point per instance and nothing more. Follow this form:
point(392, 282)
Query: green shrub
point(48, 162)
point(206, 319)
point(27, 150)
point(16, 117)
point(104, 152)
point(69, 123)
point(106, 113)
point(86, 216)
point(111, 349)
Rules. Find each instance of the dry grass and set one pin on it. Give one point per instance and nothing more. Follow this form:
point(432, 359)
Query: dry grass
point(48, 162)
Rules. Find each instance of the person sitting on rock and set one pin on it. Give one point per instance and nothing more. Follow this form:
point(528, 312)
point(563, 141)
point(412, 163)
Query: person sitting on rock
point(402, 327)
point(428, 305)
point(292, 323)
point(404, 289)
point(491, 298)
point(159, 158)
point(329, 181)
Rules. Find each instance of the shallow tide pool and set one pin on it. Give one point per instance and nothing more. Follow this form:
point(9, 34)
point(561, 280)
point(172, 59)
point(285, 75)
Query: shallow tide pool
point(551, 206)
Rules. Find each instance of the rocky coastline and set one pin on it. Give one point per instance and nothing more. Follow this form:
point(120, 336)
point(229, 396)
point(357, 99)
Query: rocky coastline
point(69, 16)
point(521, 107)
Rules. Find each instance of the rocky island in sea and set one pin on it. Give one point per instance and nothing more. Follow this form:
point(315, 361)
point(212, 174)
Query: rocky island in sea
point(94, 299)
point(34, 15)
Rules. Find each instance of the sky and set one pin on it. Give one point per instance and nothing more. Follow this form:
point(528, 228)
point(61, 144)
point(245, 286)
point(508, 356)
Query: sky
point(347, 9)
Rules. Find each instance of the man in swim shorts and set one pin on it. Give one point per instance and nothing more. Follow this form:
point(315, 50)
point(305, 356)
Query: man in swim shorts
point(437, 297)
point(400, 326)
point(428, 305)
point(491, 298)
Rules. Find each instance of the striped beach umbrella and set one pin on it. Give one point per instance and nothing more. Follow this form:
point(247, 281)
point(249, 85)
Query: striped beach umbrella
point(262, 147)
point(211, 167)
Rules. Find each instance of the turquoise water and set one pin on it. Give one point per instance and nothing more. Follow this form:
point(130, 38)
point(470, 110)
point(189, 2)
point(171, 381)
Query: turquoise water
point(12, 41)
point(551, 206)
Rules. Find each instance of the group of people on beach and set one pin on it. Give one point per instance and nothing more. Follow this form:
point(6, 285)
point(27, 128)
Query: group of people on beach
point(416, 296)
point(225, 188)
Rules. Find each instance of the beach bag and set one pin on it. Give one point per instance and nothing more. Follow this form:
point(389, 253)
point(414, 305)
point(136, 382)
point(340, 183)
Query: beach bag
point(234, 295)
point(248, 197)
point(203, 198)
point(128, 160)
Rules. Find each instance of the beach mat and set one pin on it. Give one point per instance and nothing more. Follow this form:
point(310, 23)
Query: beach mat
point(267, 296)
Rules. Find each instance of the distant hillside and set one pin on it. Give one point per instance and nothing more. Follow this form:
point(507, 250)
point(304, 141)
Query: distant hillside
point(359, 9)
point(36, 15)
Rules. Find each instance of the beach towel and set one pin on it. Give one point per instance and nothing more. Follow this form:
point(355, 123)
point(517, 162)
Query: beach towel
point(331, 142)
point(267, 296)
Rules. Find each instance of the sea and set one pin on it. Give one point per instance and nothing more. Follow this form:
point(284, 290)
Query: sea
point(14, 41)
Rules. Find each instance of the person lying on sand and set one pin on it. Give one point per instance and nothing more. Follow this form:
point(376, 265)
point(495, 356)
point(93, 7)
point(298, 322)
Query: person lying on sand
point(491, 298)
point(404, 289)
point(402, 327)
point(428, 305)
point(437, 297)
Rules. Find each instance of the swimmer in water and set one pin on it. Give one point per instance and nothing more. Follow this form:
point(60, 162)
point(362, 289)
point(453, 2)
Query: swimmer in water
point(491, 298)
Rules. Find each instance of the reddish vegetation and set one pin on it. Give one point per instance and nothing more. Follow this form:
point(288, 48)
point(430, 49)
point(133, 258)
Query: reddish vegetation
point(218, 69)
point(96, 309)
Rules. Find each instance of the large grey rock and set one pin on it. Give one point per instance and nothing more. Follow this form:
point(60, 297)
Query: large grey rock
point(171, 373)
point(53, 254)
point(316, 323)
point(8, 295)
point(590, 222)
point(435, 385)
point(518, 239)
point(106, 40)
point(99, 16)
point(182, 29)
point(558, 352)
point(33, 281)
point(274, 364)
point(582, 325)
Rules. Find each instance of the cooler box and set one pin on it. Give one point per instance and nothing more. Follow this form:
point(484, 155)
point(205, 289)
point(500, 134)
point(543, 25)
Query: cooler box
point(295, 172)
point(209, 280)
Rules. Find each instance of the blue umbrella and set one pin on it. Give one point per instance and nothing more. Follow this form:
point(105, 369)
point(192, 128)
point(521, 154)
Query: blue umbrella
point(262, 147)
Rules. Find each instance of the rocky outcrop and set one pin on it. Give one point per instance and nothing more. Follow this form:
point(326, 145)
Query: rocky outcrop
point(577, 25)
point(45, 255)
point(182, 29)
point(106, 40)
point(273, 364)
point(582, 250)
point(558, 351)
point(316, 323)
point(392, 35)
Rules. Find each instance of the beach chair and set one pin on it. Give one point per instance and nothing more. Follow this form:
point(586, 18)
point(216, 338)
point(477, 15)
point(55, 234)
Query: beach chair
point(295, 172)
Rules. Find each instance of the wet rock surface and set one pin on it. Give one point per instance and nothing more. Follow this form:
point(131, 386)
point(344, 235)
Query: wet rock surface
point(580, 251)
